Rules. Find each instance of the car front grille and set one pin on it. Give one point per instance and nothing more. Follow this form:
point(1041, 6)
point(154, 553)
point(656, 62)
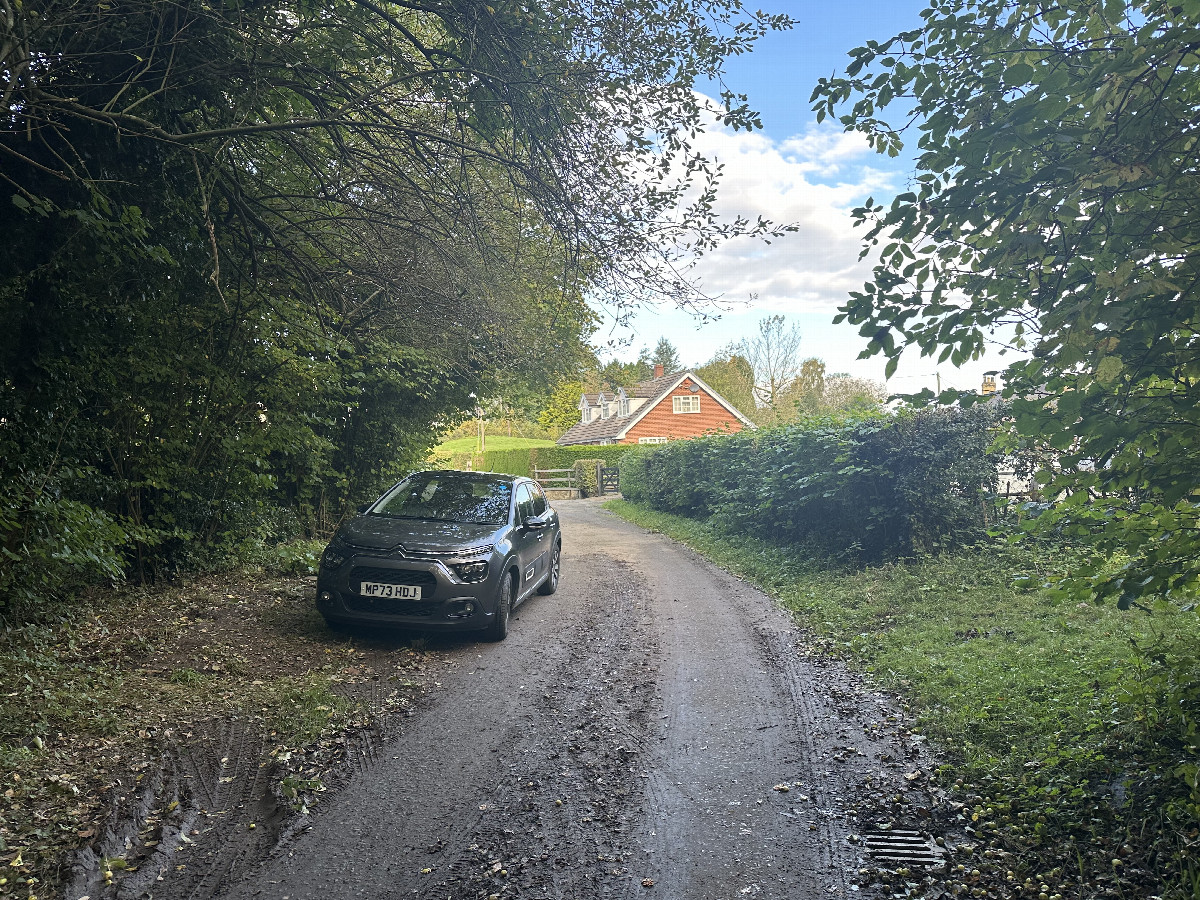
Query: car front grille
point(390, 607)
point(416, 577)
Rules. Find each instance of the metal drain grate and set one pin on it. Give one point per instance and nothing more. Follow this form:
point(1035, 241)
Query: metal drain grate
point(902, 848)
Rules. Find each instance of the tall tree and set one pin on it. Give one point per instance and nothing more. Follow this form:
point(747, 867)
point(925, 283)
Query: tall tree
point(846, 393)
point(665, 355)
point(253, 251)
point(731, 376)
point(1054, 200)
point(808, 390)
point(774, 354)
point(561, 410)
point(615, 374)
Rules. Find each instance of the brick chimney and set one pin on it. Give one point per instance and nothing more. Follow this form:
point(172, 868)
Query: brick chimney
point(989, 385)
point(658, 370)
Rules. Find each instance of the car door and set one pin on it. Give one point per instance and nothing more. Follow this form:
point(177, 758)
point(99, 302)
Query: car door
point(531, 544)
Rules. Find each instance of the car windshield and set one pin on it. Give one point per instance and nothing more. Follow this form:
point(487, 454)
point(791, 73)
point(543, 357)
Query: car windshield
point(448, 497)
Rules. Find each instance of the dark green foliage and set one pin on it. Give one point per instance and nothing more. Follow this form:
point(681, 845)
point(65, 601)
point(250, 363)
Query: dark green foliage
point(1054, 203)
point(868, 488)
point(256, 255)
point(665, 355)
point(586, 476)
point(613, 374)
point(53, 544)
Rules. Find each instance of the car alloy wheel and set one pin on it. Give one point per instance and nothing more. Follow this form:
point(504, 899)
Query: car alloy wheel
point(498, 630)
point(550, 585)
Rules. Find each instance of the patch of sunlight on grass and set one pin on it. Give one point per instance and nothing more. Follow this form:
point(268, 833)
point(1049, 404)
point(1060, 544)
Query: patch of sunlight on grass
point(494, 442)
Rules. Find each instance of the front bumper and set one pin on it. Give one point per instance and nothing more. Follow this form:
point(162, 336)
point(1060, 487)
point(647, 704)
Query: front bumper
point(446, 603)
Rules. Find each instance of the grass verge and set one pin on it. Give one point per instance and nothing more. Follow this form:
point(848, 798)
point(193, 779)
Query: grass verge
point(1066, 728)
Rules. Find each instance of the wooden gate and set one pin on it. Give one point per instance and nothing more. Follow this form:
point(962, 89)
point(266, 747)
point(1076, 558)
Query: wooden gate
point(610, 480)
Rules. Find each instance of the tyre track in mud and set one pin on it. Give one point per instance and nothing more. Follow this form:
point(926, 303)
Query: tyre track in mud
point(521, 778)
point(236, 788)
point(633, 737)
point(766, 747)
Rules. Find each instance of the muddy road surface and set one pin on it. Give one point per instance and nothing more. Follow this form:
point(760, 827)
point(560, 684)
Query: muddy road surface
point(657, 728)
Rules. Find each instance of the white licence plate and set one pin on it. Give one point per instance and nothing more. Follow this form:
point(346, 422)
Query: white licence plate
point(390, 591)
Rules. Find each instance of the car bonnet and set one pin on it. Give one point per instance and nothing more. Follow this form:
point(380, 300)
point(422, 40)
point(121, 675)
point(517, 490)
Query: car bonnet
point(418, 536)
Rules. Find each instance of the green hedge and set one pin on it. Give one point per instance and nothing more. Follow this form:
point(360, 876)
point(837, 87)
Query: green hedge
point(585, 476)
point(869, 488)
point(525, 460)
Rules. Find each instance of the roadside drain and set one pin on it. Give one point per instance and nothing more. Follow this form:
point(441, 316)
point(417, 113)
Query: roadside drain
point(898, 847)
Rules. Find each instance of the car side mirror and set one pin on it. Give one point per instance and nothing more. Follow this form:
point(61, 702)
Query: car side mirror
point(535, 522)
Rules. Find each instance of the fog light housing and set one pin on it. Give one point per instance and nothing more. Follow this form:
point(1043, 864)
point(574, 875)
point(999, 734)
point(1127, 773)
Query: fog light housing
point(325, 597)
point(461, 609)
point(471, 572)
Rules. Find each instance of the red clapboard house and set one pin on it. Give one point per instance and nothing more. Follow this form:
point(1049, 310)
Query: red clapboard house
point(665, 408)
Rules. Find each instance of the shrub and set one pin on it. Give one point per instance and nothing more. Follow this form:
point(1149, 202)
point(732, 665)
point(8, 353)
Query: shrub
point(51, 545)
point(633, 474)
point(869, 487)
point(586, 476)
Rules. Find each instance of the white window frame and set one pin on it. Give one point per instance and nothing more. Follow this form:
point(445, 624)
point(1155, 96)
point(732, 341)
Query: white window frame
point(692, 404)
point(652, 440)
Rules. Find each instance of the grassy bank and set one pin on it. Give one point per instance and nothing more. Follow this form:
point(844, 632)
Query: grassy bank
point(494, 442)
point(1060, 723)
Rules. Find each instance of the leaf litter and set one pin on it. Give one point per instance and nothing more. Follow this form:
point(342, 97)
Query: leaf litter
point(154, 718)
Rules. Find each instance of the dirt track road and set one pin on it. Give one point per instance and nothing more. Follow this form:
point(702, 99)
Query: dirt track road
point(632, 729)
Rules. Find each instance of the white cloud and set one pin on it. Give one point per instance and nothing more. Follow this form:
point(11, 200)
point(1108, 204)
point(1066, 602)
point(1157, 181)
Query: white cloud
point(811, 181)
point(824, 150)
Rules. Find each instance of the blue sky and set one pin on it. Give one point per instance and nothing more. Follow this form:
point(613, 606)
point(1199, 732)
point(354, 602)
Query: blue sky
point(780, 74)
point(796, 171)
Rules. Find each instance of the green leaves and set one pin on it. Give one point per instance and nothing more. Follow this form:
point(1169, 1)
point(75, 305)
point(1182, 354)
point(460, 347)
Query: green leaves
point(1057, 187)
point(862, 487)
point(248, 278)
point(1018, 74)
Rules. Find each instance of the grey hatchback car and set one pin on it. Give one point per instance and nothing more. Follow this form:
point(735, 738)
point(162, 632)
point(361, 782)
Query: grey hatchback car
point(443, 550)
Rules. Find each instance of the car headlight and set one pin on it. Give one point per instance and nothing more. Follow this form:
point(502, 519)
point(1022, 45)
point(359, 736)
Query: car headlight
point(471, 571)
point(332, 558)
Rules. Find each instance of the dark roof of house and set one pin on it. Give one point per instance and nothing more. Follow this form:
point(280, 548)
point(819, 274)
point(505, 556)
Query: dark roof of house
point(596, 430)
point(595, 399)
point(655, 387)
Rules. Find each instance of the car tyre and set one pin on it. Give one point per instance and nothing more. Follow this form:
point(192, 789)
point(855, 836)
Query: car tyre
point(498, 630)
point(550, 585)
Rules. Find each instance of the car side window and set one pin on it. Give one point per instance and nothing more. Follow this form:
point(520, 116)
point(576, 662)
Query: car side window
point(539, 500)
point(524, 504)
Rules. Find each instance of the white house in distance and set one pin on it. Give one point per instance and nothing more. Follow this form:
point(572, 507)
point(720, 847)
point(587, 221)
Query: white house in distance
point(665, 408)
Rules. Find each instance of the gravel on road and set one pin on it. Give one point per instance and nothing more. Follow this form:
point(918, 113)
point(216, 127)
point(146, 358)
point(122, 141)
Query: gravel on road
point(657, 728)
